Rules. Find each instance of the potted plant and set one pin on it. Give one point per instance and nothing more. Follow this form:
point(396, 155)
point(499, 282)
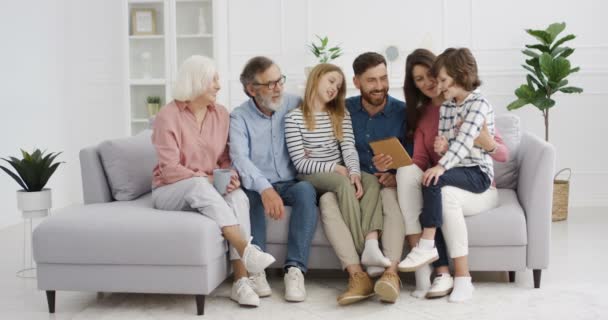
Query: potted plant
point(32, 172)
point(322, 52)
point(548, 67)
point(153, 105)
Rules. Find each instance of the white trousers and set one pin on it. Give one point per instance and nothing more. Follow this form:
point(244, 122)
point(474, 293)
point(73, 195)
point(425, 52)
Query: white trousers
point(456, 203)
point(198, 194)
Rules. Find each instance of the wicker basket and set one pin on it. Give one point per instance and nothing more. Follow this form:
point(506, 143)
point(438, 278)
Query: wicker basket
point(561, 189)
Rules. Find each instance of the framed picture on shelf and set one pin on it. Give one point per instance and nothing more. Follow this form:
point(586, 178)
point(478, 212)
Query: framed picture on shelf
point(143, 21)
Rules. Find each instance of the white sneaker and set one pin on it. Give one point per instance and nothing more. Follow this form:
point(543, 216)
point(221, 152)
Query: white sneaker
point(260, 284)
point(374, 271)
point(243, 293)
point(441, 287)
point(294, 285)
point(417, 258)
point(255, 260)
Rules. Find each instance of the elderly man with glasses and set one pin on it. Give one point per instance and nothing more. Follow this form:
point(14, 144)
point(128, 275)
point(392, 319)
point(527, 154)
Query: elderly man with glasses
point(259, 153)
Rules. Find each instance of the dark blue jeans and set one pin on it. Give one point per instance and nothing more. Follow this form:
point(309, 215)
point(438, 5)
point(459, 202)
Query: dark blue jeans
point(302, 198)
point(467, 178)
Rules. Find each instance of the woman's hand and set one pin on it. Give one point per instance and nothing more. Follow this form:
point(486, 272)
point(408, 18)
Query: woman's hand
point(440, 146)
point(355, 179)
point(485, 140)
point(432, 173)
point(340, 169)
point(234, 184)
point(382, 162)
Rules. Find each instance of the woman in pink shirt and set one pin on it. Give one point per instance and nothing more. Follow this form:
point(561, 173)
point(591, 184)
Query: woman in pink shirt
point(423, 101)
point(191, 140)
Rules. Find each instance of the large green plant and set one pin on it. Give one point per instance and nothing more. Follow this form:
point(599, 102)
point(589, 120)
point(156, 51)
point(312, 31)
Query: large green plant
point(34, 170)
point(547, 66)
point(322, 52)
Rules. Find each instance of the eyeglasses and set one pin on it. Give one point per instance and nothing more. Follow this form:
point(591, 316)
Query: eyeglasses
point(272, 84)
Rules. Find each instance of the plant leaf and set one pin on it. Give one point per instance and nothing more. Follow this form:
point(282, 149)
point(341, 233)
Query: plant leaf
point(530, 53)
point(571, 90)
point(566, 53)
point(573, 70)
point(15, 177)
point(526, 93)
point(554, 29)
point(530, 78)
point(543, 103)
point(541, 47)
point(517, 104)
point(541, 35)
point(562, 40)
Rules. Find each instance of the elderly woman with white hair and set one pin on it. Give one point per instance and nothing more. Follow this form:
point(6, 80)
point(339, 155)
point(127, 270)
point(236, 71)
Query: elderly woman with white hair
point(191, 140)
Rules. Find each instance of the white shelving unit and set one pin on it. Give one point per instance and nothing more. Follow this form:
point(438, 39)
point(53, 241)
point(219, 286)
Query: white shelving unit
point(183, 28)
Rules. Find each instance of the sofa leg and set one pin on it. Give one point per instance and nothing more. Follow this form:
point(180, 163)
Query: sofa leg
point(536, 274)
point(511, 276)
point(200, 304)
point(50, 299)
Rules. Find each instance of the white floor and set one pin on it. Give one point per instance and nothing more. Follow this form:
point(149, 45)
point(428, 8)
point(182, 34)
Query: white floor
point(574, 287)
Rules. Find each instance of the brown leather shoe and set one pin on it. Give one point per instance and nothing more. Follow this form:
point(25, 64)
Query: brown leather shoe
point(388, 287)
point(360, 287)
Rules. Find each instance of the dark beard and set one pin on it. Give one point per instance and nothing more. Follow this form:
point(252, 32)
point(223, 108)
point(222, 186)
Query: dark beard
point(373, 101)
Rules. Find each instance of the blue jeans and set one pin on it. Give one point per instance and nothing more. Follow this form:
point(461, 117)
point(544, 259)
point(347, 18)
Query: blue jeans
point(468, 178)
point(302, 198)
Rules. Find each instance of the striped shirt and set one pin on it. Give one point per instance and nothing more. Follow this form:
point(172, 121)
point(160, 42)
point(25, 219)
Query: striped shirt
point(474, 111)
point(318, 150)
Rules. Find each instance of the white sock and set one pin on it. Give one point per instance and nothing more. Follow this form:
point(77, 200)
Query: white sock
point(423, 281)
point(426, 244)
point(463, 290)
point(372, 255)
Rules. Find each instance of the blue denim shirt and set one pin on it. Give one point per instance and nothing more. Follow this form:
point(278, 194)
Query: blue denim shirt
point(257, 144)
point(389, 122)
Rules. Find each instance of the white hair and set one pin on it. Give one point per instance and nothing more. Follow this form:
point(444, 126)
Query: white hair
point(195, 75)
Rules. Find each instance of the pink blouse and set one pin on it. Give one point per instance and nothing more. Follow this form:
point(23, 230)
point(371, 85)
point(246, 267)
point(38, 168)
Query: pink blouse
point(184, 148)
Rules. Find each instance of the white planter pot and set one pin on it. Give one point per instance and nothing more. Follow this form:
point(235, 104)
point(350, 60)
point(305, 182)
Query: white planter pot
point(34, 204)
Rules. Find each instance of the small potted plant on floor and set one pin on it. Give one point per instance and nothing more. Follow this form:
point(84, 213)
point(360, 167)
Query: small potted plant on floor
point(32, 172)
point(153, 105)
point(322, 52)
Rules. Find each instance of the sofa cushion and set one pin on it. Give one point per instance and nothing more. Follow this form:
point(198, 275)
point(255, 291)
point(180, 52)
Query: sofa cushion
point(127, 233)
point(504, 225)
point(128, 164)
point(505, 173)
point(277, 231)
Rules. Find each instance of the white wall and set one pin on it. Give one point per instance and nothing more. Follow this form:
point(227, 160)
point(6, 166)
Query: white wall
point(60, 86)
point(494, 30)
point(62, 81)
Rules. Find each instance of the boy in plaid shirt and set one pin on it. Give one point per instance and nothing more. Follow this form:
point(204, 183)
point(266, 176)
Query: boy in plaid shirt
point(462, 165)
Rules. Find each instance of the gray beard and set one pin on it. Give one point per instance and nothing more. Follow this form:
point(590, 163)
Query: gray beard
point(268, 104)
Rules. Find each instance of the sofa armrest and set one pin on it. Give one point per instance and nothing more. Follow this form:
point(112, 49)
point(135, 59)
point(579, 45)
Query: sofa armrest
point(95, 187)
point(536, 160)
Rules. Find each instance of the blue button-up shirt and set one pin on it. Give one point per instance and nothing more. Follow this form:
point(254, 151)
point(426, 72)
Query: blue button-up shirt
point(257, 144)
point(389, 122)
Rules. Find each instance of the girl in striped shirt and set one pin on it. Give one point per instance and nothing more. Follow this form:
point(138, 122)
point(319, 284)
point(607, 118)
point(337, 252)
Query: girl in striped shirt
point(321, 144)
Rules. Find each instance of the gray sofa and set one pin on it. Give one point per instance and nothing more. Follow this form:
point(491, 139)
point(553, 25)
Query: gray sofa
point(116, 241)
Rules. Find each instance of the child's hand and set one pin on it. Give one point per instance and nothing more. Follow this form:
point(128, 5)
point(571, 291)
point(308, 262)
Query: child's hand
point(432, 173)
point(340, 169)
point(382, 161)
point(355, 179)
point(440, 146)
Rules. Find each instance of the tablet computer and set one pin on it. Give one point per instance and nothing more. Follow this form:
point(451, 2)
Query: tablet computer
point(392, 147)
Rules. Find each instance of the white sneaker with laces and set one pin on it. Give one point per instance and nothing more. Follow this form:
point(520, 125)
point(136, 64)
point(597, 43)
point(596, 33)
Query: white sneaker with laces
point(260, 284)
point(441, 287)
point(417, 258)
point(254, 259)
point(242, 292)
point(294, 285)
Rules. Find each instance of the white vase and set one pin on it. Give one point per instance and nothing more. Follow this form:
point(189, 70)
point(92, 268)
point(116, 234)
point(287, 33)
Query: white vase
point(34, 204)
point(202, 25)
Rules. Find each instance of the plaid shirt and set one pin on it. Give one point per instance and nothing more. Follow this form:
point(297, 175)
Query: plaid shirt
point(474, 111)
